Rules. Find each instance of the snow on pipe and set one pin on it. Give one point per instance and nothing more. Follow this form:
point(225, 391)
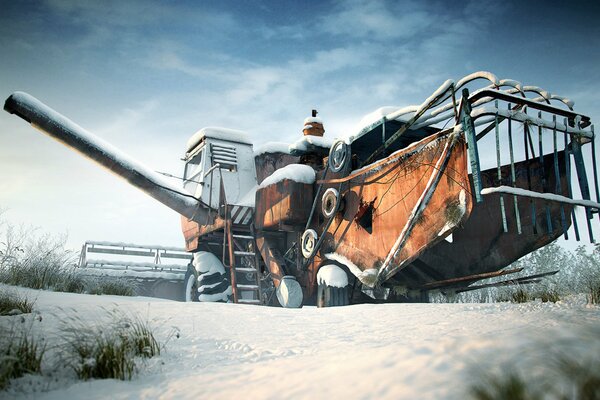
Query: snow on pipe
point(61, 128)
point(495, 83)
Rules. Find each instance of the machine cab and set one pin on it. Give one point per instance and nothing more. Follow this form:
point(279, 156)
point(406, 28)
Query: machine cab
point(215, 153)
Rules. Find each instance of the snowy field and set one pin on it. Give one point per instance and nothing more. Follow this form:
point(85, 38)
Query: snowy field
point(394, 351)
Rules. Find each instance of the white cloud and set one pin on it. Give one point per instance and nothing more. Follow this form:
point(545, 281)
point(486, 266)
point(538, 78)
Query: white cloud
point(377, 19)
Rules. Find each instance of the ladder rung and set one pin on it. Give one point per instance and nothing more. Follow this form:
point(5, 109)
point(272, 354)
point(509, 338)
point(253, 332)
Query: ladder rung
point(249, 301)
point(247, 287)
point(243, 237)
point(246, 269)
point(244, 253)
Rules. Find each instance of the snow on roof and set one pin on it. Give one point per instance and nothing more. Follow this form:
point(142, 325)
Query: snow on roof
point(272, 147)
point(332, 275)
point(373, 118)
point(430, 116)
point(313, 119)
point(546, 196)
point(305, 142)
point(295, 172)
point(230, 135)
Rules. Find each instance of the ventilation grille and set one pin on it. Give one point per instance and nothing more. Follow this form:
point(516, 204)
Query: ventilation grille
point(224, 155)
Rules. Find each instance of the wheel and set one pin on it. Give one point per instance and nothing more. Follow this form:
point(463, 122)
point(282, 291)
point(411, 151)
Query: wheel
point(309, 242)
point(289, 293)
point(333, 288)
point(339, 156)
point(212, 283)
point(330, 203)
point(190, 284)
point(330, 296)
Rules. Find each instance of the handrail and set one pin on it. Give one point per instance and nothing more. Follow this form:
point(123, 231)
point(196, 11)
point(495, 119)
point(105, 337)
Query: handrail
point(500, 95)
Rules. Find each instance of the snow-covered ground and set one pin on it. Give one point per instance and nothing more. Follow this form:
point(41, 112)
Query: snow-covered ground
point(396, 351)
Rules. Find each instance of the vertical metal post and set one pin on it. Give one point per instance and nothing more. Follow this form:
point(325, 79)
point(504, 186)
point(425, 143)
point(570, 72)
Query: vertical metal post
point(527, 142)
point(497, 130)
point(513, 178)
point(558, 186)
point(568, 172)
point(583, 180)
point(594, 166)
point(469, 128)
point(232, 266)
point(544, 183)
point(383, 130)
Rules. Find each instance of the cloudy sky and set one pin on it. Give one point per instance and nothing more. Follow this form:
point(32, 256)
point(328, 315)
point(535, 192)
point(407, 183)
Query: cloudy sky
point(146, 75)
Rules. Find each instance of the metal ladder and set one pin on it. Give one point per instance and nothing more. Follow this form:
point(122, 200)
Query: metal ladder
point(243, 259)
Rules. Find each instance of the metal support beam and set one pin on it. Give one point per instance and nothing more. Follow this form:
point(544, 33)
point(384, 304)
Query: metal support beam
point(469, 129)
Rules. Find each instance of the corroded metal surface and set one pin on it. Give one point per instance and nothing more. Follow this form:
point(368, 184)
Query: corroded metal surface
point(480, 245)
point(268, 162)
point(379, 201)
point(282, 205)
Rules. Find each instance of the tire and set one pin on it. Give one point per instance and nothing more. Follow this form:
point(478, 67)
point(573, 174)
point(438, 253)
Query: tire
point(330, 296)
point(212, 284)
point(215, 288)
point(333, 288)
point(190, 285)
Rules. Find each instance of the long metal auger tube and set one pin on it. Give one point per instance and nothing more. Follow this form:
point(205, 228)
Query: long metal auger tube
point(61, 128)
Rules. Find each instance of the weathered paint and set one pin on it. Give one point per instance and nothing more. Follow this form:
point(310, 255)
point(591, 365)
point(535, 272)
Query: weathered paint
point(285, 203)
point(480, 244)
point(379, 201)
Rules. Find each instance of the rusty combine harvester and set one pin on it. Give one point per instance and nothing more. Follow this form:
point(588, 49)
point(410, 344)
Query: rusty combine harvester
point(391, 212)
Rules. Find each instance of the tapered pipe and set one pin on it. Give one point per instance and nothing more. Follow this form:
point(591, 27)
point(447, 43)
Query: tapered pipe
point(64, 130)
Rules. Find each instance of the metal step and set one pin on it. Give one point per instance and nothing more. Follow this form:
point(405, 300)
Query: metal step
point(244, 269)
point(244, 237)
point(249, 301)
point(244, 253)
point(247, 287)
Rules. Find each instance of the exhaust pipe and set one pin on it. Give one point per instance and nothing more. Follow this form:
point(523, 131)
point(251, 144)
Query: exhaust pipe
point(64, 130)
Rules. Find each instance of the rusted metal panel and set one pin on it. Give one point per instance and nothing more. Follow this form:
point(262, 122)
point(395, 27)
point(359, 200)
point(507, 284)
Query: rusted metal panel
point(267, 163)
point(285, 203)
point(272, 257)
point(379, 200)
point(480, 244)
point(193, 231)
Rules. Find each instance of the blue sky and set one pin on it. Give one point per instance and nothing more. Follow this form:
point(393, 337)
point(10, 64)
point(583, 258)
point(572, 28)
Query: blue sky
point(146, 75)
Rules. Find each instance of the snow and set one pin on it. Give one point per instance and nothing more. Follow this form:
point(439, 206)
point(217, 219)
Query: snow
point(272, 147)
point(478, 75)
point(379, 116)
point(136, 265)
point(332, 275)
point(523, 117)
point(295, 172)
point(387, 113)
point(546, 196)
point(301, 145)
point(367, 276)
point(313, 119)
point(369, 351)
point(134, 273)
point(305, 142)
point(207, 263)
point(134, 246)
point(226, 134)
point(511, 82)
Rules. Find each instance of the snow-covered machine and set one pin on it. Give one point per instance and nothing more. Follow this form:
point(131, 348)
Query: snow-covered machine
point(431, 197)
